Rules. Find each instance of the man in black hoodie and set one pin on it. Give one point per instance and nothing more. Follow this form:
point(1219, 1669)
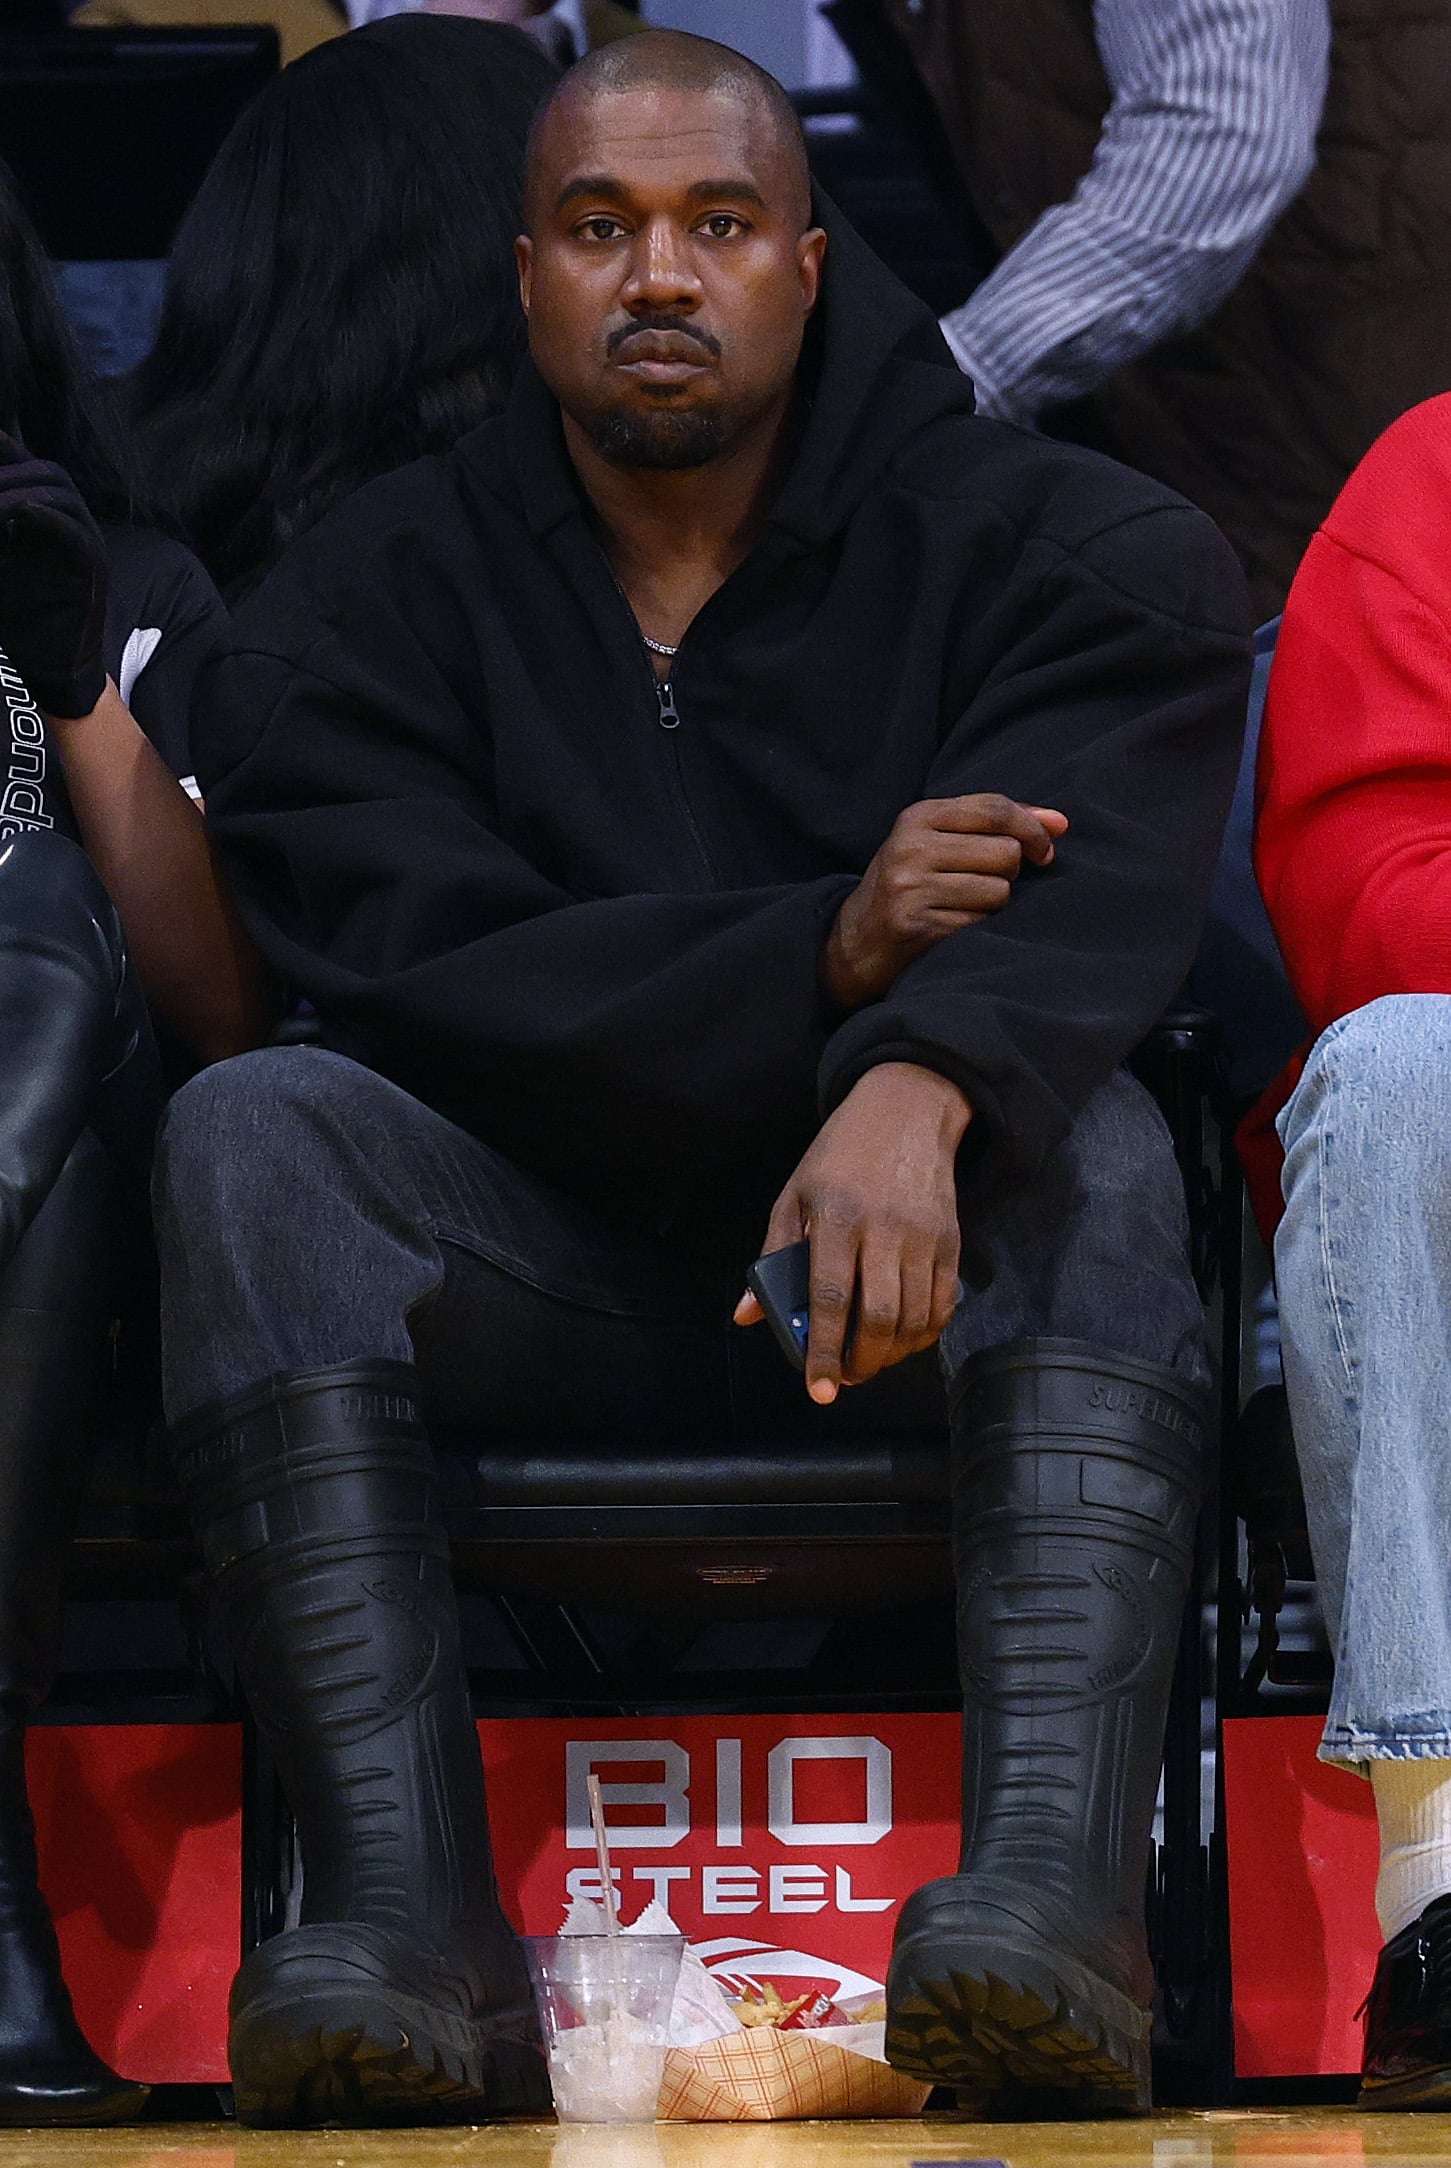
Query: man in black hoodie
point(737, 795)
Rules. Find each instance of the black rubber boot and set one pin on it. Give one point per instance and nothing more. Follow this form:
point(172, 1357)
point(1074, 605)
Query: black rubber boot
point(54, 1322)
point(1025, 1978)
point(403, 1995)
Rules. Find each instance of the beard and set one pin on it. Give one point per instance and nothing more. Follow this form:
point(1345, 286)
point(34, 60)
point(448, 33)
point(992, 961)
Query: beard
point(667, 442)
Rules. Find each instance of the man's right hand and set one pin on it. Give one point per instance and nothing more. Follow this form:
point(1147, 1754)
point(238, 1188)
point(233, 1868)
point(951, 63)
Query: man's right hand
point(948, 862)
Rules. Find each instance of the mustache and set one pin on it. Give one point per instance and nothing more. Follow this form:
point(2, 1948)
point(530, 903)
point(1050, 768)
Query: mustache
point(681, 326)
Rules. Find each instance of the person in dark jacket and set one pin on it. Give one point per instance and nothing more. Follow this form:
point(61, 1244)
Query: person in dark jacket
point(736, 796)
point(111, 911)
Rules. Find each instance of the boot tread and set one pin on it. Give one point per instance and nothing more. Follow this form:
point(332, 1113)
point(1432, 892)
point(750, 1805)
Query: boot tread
point(986, 2026)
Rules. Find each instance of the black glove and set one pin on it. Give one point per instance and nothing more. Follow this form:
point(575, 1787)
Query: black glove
point(53, 579)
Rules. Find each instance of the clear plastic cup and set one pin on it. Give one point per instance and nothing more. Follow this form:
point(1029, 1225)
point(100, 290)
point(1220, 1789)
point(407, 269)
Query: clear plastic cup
point(604, 2008)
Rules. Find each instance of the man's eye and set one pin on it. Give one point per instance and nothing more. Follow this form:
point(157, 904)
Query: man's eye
point(724, 225)
point(601, 229)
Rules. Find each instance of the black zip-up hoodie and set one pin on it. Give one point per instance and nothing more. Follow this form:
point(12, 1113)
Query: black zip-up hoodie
point(584, 917)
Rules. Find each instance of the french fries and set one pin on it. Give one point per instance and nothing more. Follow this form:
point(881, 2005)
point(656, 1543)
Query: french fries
point(767, 2008)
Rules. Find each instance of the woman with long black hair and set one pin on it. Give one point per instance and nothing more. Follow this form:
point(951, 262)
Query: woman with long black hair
point(341, 297)
point(111, 913)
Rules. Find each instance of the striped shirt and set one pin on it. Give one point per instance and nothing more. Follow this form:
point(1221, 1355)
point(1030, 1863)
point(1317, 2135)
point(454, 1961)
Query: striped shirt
point(1216, 105)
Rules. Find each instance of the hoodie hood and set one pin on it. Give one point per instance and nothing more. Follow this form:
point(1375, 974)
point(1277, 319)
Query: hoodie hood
point(875, 370)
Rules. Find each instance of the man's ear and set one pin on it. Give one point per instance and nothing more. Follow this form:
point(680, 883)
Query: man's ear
point(810, 256)
point(524, 259)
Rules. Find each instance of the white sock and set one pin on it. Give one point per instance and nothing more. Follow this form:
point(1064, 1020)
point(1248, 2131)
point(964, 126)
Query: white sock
point(1413, 1807)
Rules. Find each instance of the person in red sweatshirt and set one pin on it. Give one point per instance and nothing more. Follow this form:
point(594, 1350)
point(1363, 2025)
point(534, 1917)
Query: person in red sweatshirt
point(1354, 858)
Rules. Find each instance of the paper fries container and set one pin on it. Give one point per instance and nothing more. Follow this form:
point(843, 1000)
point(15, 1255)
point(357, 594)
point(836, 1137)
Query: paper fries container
point(765, 2076)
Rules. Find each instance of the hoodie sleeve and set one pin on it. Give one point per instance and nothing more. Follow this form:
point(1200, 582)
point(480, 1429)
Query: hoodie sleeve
point(1120, 700)
point(628, 1030)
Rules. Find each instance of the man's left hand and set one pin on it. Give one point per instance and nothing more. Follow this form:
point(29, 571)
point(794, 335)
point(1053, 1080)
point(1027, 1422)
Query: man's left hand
point(877, 1197)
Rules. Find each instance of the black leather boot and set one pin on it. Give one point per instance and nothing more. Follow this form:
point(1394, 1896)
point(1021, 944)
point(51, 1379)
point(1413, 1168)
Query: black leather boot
point(1407, 2061)
point(403, 1994)
point(1026, 1975)
point(70, 1015)
point(54, 1320)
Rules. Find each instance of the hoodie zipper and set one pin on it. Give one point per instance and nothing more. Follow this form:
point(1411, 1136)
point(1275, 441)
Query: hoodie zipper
point(670, 720)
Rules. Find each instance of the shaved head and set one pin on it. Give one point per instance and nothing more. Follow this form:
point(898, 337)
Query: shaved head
point(674, 61)
point(669, 264)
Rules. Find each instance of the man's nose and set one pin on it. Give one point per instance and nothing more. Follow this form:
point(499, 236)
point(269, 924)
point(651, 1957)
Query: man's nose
point(662, 275)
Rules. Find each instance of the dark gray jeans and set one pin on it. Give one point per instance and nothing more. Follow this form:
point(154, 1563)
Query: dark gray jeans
point(309, 1213)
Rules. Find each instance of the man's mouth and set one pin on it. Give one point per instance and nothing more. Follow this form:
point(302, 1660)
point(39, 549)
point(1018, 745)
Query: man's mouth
point(661, 357)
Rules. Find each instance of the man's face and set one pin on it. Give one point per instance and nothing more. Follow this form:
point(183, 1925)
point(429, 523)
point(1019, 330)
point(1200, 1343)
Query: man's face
point(667, 278)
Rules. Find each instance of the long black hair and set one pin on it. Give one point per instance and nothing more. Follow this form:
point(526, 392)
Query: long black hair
point(47, 397)
point(341, 296)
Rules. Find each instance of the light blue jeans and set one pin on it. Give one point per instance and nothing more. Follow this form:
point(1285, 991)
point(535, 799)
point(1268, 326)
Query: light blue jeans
point(1363, 1260)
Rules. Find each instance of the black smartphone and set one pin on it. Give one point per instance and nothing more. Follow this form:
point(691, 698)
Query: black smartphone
point(781, 1284)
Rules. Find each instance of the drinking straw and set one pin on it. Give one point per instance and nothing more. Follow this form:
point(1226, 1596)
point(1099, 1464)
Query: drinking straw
point(602, 1854)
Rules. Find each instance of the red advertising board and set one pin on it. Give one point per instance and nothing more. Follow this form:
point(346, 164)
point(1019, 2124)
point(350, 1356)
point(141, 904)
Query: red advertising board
point(1303, 1853)
point(140, 1832)
point(782, 1846)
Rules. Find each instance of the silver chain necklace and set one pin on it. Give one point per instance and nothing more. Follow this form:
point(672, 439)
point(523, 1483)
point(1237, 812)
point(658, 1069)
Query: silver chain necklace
point(658, 647)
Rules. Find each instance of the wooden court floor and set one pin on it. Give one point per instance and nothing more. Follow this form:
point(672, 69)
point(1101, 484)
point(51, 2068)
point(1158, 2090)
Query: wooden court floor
point(1295, 2139)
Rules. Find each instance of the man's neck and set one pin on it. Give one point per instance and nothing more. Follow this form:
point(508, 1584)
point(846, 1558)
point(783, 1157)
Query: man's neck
point(674, 537)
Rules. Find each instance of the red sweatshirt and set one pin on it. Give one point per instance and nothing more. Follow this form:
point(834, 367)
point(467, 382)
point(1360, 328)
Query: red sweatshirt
point(1353, 845)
